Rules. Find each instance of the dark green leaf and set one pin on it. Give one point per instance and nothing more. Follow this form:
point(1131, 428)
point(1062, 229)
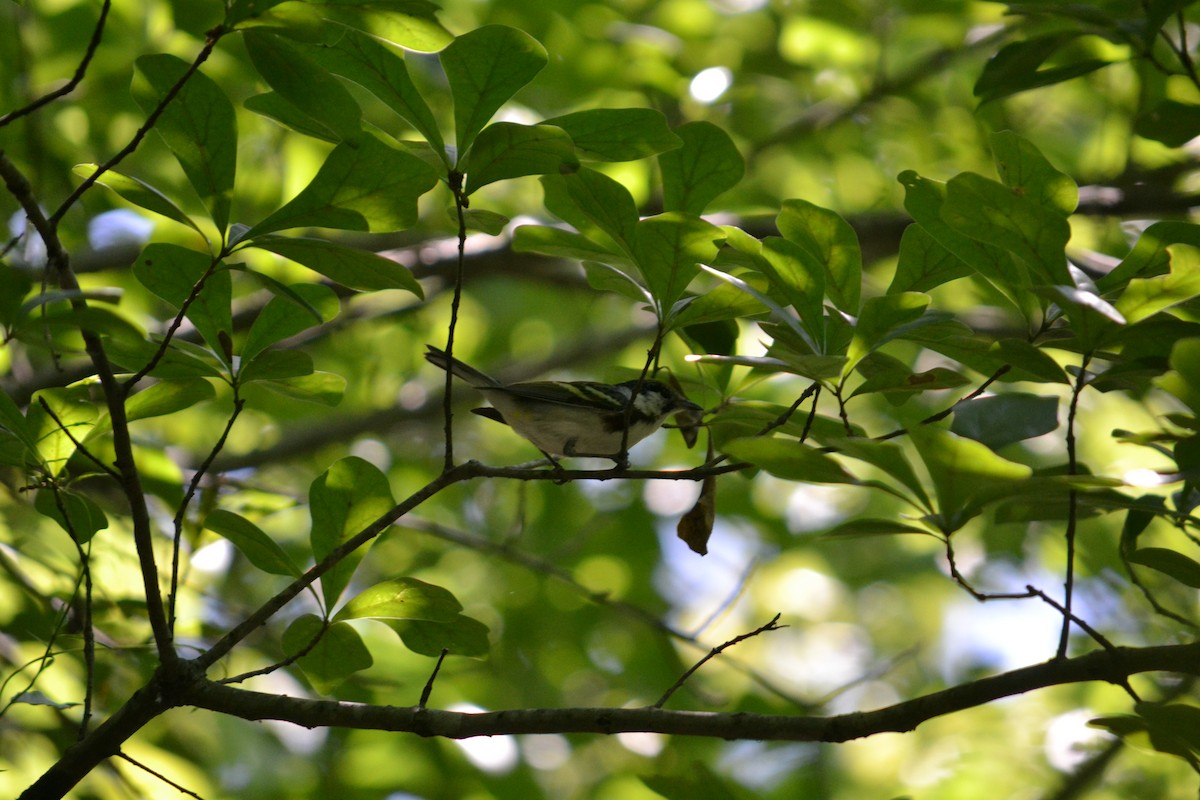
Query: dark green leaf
point(338, 654)
point(1029, 362)
point(923, 264)
point(354, 269)
point(882, 319)
point(272, 106)
point(83, 518)
point(996, 215)
point(173, 272)
point(344, 500)
point(565, 244)
point(139, 193)
point(301, 81)
point(258, 548)
point(1171, 122)
point(858, 528)
point(507, 150)
point(602, 201)
point(1169, 562)
point(167, 397)
point(362, 186)
point(789, 459)
point(1003, 419)
point(617, 134)
point(198, 125)
point(707, 165)
point(485, 68)
point(667, 249)
point(832, 242)
point(324, 388)
point(1026, 171)
point(280, 366)
point(461, 636)
point(282, 317)
point(965, 474)
point(381, 71)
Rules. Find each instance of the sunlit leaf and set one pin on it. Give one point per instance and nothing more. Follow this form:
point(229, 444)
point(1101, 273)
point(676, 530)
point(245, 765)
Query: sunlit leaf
point(1024, 169)
point(707, 165)
point(485, 68)
point(788, 459)
point(507, 150)
point(617, 134)
point(82, 519)
point(402, 598)
point(832, 242)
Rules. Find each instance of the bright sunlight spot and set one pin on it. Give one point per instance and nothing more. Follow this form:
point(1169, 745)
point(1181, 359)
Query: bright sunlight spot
point(709, 84)
point(494, 754)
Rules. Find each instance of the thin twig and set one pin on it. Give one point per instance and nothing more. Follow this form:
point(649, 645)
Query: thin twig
point(945, 412)
point(716, 651)
point(1072, 507)
point(92, 46)
point(193, 485)
point(182, 790)
point(461, 203)
point(428, 690)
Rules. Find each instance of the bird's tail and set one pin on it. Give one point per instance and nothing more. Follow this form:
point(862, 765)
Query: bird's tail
point(439, 358)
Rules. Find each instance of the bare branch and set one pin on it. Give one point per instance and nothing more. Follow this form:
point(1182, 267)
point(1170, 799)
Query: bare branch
point(716, 651)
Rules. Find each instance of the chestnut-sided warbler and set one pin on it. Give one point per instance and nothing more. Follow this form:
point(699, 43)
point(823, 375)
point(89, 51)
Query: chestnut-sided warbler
point(572, 418)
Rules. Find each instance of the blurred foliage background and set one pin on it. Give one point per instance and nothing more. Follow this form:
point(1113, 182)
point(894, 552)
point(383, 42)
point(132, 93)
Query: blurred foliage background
point(589, 597)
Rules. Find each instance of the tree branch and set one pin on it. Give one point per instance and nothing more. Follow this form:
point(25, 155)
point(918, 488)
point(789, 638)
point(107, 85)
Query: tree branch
point(1101, 665)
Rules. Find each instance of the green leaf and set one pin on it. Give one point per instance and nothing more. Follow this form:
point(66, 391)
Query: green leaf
point(13, 421)
point(925, 199)
point(482, 220)
point(1171, 122)
point(259, 549)
point(172, 272)
point(1028, 362)
point(1017, 67)
point(667, 249)
point(923, 263)
point(14, 286)
point(338, 654)
point(272, 106)
point(996, 215)
point(289, 70)
point(507, 150)
point(354, 269)
point(282, 317)
point(795, 273)
point(182, 359)
point(883, 319)
point(1003, 419)
point(167, 397)
point(402, 598)
point(565, 244)
point(1024, 169)
point(602, 201)
point(1174, 728)
point(725, 302)
point(1152, 255)
point(485, 68)
point(138, 192)
point(889, 458)
point(409, 23)
point(1169, 562)
point(617, 134)
point(74, 415)
point(83, 518)
point(462, 636)
point(965, 474)
point(361, 186)
point(381, 71)
point(324, 388)
point(707, 165)
point(198, 125)
point(346, 499)
point(1144, 297)
point(832, 242)
point(279, 367)
point(789, 459)
point(858, 528)
point(1184, 381)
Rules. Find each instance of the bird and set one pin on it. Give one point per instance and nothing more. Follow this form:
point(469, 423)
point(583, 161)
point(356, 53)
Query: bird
point(572, 418)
